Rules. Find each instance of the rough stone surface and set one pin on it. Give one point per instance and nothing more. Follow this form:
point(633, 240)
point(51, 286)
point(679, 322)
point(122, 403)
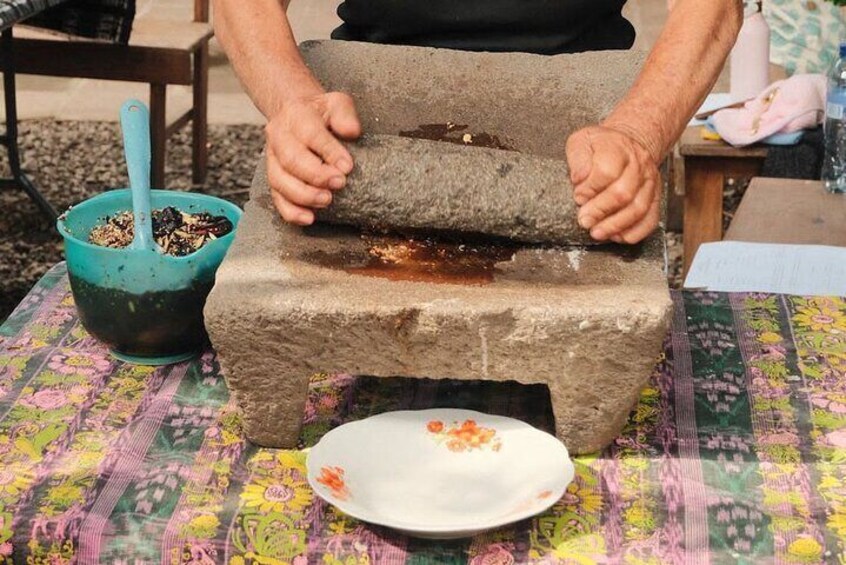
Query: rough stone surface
point(400, 183)
point(532, 103)
point(290, 302)
point(587, 322)
point(528, 103)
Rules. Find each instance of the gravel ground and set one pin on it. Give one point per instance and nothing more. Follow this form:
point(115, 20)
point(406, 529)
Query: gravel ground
point(71, 161)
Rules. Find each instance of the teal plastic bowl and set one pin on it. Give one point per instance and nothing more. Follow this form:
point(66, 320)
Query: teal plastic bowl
point(146, 306)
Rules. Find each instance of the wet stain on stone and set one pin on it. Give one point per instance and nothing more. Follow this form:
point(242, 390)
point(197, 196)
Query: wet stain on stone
point(458, 134)
point(468, 259)
point(417, 259)
point(629, 253)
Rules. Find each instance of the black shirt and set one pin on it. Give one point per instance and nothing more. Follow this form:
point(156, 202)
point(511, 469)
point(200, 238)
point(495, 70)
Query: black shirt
point(534, 26)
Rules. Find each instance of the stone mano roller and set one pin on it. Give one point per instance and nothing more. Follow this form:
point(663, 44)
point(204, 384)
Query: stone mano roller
point(425, 184)
point(588, 322)
point(528, 104)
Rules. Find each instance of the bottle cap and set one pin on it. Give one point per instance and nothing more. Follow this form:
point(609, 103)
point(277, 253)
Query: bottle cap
point(751, 7)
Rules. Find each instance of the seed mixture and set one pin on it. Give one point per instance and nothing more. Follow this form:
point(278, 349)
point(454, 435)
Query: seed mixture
point(177, 233)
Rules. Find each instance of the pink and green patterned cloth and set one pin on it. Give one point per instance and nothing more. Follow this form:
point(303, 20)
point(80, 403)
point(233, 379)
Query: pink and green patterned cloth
point(736, 453)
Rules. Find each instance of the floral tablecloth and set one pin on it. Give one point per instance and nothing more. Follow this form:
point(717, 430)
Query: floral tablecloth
point(736, 453)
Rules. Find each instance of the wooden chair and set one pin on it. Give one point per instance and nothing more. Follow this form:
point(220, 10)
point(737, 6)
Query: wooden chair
point(159, 53)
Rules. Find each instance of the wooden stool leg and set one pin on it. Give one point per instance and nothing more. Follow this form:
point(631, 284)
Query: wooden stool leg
point(199, 125)
point(703, 205)
point(158, 133)
point(201, 10)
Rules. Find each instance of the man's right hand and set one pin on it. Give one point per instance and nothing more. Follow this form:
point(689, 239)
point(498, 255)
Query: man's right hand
point(305, 160)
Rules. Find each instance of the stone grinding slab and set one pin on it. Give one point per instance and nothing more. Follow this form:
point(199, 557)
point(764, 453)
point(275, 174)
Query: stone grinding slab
point(526, 103)
point(587, 322)
point(416, 183)
point(290, 302)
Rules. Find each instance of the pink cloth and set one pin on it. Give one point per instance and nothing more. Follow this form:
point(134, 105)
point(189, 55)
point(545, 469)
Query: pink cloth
point(785, 106)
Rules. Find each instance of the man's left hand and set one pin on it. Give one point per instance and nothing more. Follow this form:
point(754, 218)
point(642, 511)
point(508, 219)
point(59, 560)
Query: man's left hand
point(616, 184)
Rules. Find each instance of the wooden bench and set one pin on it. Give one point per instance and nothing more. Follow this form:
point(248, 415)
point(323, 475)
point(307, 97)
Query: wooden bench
point(789, 211)
point(707, 165)
point(159, 53)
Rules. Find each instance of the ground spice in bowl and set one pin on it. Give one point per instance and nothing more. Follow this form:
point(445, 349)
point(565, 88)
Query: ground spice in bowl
point(176, 233)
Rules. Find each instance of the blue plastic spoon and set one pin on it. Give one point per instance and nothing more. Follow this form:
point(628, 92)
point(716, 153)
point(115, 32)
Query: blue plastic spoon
point(135, 124)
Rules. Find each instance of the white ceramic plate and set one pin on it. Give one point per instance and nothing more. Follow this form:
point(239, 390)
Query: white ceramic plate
point(439, 473)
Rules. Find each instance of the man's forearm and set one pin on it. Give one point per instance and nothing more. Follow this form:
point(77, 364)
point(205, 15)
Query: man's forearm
point(679, 72)
point(258, 39)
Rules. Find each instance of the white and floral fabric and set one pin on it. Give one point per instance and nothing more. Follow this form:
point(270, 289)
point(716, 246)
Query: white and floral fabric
point(805, 34)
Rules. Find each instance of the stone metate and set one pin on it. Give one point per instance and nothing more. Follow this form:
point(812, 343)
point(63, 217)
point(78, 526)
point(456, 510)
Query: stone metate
point(586, 321)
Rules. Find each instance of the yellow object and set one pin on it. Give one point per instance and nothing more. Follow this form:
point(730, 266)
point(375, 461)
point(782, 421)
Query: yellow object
point(709, 135)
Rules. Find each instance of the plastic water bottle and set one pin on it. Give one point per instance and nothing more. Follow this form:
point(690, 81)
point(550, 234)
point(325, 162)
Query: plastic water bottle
point(834, 163)
point(750, 56)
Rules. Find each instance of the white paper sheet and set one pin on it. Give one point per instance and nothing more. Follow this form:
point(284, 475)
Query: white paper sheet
point(736, 266)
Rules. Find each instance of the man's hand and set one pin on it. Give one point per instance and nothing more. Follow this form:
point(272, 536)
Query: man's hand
point(305, 159)
point(615, 183)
